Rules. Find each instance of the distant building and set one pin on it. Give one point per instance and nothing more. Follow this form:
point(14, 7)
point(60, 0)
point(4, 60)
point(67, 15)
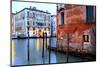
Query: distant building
point(76, 27)
point(13, 24)
point(53, 25)
point(34, 20)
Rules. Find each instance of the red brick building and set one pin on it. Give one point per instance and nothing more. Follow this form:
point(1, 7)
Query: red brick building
point(76, 28)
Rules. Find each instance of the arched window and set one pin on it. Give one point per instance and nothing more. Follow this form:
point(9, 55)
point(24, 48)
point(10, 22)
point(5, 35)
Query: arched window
point(62, 18)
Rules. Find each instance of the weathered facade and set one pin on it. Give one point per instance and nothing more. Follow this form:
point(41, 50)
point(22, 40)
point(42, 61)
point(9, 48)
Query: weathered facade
point(76, 28)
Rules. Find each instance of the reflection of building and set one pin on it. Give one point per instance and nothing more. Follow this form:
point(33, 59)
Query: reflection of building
point(53, 25)
point(38, 21)
point(76, 26)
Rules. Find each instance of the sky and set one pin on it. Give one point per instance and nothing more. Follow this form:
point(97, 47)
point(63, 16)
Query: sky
point(17, 6)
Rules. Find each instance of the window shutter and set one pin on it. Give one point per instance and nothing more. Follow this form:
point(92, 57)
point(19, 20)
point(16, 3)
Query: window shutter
point(89, 14)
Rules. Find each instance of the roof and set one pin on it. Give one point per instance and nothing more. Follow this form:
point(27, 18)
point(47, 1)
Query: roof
point(33, 10)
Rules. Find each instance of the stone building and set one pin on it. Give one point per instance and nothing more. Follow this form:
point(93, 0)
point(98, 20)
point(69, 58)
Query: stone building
point(76, 28)
point(34, 21)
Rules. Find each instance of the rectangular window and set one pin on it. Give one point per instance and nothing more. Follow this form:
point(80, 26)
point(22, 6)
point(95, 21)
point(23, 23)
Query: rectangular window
point(28, 14)
point(33, 15)
point(85, 38)
point(23, 17)
point(89, 14)
point(62, 18)
point(28, 28)
point(48, 18)
point(27, 22)
point(33, 32)
point(33, 28)
point(33, 23)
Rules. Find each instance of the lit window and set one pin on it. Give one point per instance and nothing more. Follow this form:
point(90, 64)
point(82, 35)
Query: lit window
point(33, 28)
point(86, 38)
point(33, 32)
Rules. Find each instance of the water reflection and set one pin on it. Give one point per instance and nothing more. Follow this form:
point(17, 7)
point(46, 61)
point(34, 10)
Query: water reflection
point(12, 52)
point(37, 44)
point(20, 51)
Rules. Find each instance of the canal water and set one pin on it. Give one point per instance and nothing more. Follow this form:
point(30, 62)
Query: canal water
point(20, 52)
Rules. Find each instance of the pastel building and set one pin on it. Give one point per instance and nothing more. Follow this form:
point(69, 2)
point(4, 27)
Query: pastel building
point(34, 21)
point(76, 28)
point(13, 24)
point(53, 25)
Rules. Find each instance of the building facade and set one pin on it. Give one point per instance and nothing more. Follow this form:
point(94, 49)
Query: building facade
point(53, 25)
point(76, 28)
point(13, 24)
point(33, 21)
